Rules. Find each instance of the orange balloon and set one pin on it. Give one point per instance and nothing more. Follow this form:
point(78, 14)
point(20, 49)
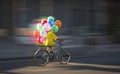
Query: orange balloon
point(37, 34)
point(58, 23)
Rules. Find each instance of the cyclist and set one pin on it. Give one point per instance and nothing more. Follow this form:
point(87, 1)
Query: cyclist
point(51, 38)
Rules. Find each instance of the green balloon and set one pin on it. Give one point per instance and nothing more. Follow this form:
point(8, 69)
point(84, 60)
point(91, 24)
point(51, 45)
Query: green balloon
point(39, 27)
point(55, 28)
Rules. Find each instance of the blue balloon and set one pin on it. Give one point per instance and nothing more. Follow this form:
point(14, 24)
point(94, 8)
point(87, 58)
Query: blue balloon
point(51, 22)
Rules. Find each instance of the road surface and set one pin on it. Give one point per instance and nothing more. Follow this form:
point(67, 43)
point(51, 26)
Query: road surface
point(102, 64)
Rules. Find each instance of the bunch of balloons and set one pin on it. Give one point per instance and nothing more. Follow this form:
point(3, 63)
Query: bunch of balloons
point(45, 30)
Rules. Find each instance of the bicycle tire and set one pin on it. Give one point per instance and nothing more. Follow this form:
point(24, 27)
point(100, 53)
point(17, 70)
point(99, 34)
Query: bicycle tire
point(41, 57)
point(64, 56)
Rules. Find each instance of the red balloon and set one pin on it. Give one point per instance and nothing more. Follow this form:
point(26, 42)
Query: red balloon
point(37, 34)
point(38, 40)
point(43, 21)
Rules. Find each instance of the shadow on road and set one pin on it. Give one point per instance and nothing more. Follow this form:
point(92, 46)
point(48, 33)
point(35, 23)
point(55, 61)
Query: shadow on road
point(107, 59)
point(107, 63)
point(85, 67)
point(5, 66)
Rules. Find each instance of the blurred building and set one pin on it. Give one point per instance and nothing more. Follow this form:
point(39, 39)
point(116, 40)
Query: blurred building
point(88, 15)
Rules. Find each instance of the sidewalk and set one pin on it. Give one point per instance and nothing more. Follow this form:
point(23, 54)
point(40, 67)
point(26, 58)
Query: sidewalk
point(11, 50)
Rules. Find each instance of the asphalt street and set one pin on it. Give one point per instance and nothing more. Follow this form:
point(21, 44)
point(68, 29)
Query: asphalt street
point(102, 64)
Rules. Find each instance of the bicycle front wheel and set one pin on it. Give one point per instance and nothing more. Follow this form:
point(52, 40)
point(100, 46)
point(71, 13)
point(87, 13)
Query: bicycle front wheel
point(41, 57)
point(64, 56)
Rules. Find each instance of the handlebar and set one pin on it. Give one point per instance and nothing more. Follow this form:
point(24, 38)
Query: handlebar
point(60, 41)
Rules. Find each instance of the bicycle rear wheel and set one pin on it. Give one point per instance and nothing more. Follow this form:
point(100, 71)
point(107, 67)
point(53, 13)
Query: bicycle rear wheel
point(64, 56)
point(41, 57)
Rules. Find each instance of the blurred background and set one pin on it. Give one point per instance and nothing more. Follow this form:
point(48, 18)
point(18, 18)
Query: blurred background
point(91, 23)
point(90, 29)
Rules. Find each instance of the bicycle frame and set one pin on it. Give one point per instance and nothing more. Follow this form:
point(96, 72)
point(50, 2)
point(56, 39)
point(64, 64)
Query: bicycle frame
point(60, 48)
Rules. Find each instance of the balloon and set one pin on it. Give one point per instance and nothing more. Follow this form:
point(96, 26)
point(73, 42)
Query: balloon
point(43, 33)
point(43, 39)
point(43, 21)
point(38, 40)
point(47, 27)
point(58, 23)
point(37, 34)
point(39, 27)
point(55, 28)
point(51, 22)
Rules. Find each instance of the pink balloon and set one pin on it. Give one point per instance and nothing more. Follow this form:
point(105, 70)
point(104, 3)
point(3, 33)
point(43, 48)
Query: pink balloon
point(47, 27)
point(43, 39)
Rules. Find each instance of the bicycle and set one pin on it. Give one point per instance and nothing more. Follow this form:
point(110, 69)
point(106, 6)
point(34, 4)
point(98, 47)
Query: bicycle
point(45, 54)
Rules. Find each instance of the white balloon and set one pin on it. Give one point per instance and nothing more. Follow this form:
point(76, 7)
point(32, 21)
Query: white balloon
point(43, 33)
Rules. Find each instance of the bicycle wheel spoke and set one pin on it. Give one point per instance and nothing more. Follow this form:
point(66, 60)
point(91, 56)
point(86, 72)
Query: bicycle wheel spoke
point(64, 56)
point(41, 57)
